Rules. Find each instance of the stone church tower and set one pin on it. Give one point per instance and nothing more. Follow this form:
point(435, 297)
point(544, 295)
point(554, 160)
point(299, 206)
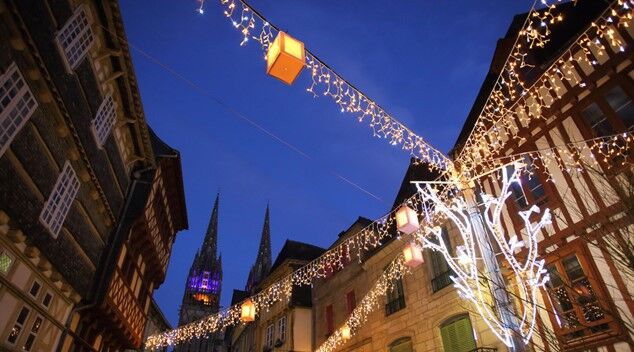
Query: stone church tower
point(202, 289)
point(262, 265)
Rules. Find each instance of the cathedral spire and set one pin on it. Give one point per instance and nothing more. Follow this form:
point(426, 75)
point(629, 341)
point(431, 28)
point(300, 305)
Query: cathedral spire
point(211, 237)
point(263, 262)
point(264, 252)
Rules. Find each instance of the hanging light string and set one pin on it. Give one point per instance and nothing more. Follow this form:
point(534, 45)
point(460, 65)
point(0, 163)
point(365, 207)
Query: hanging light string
point(372, 300)
point(325, 81)
point(572, 157)
point(357, 245)
point(512, 103)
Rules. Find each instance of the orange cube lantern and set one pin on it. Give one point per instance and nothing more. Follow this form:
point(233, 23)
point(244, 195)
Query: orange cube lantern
point(248, 311)
point(406, 220)
point(285, 58)
point(413, 255)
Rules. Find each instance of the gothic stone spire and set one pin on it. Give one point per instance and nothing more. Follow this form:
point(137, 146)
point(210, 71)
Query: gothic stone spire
point(263, 262)
point(211, 237)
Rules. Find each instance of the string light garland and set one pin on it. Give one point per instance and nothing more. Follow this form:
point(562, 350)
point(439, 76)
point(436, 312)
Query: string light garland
point(372, 300)
point(327, 82)
point(528, 272)
point(513, 105)
point(510, 100)
point(365, 240)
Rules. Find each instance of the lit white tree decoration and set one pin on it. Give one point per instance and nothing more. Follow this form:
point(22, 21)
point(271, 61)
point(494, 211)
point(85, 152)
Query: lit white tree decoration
point(487, 289)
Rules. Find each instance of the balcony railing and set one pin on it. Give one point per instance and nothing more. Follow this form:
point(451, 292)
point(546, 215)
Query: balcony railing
point(484, 349)
point(441, 280)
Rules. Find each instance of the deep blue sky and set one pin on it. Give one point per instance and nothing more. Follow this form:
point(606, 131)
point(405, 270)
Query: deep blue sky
point(423, 61)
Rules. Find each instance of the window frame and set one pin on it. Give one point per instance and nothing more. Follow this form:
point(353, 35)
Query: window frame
point(56, 200)
point(39, 289)
point(454, 319)
point(395, 298)
point(21, 325)
point(104, 120)
point(281, 328)
point(269, 335)
point(440, 279)
point(4, 251)
point(71, 66)
point(48, 293)
point(351, 301)
point(590, 271)
point(21, 107)
point(33, 333)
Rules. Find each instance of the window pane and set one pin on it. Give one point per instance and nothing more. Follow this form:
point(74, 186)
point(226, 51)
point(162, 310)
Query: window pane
point(573, 268)
point(622, 105)
point(5, 263)
point(596, 119)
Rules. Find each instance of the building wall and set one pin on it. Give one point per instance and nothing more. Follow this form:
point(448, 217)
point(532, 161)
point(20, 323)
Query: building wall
point(420, 319)
point(23, 266)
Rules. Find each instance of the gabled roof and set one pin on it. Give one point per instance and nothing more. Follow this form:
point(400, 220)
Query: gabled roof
point(298, 251)
point(577, 17)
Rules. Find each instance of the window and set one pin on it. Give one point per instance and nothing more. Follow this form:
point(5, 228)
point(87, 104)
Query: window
point(48, 298)
point(594, 116)
point(404, 344)
point(35, 328)
point(19, 324)
point(35, 289)
point(270, 331)
point(17, 104)
point(577, 310)
point(351, 301)
point(76, 38)
point(104, 120)
point(534, 186)
point(330, 323)
point(457, 335)
point(281, 329)
point(5, 262)
point(59, 202)
point(622, 105)
point(395, 298)
point(440, 270)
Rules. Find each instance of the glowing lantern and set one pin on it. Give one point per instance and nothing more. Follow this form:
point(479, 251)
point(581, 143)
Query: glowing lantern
point(413, 255)
point(285, 58)
point(345, 332)
point(406, 220)
point(248, 311)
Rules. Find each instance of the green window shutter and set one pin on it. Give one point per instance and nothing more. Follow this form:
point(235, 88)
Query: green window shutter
point(457, 336)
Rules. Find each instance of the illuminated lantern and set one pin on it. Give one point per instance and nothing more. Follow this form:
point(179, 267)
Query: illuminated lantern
point(345, 332)
point(406, 220)
point(285, 58)
point(248, 311)
point(413, 255)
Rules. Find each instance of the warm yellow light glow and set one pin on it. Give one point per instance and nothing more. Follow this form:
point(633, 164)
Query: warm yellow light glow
point(285, 58)
point(345, 332)
point(248, 311)
point(413, 255)
point(406, 220)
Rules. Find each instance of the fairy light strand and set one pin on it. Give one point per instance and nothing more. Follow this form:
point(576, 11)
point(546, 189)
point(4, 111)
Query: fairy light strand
point(512, 106)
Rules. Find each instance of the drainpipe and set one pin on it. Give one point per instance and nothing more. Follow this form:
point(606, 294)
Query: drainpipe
point(92, 301)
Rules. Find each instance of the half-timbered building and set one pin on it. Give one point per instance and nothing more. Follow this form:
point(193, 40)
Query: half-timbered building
point(90, 198)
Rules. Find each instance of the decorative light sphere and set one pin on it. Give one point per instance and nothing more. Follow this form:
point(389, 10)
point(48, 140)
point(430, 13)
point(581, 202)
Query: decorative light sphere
point(248, 311)
point(413, 255)
point(345, 332)
point(407, 220)
point(285, 58)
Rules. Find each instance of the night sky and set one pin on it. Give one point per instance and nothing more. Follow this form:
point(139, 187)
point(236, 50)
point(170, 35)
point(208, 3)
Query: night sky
point(423, 61)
